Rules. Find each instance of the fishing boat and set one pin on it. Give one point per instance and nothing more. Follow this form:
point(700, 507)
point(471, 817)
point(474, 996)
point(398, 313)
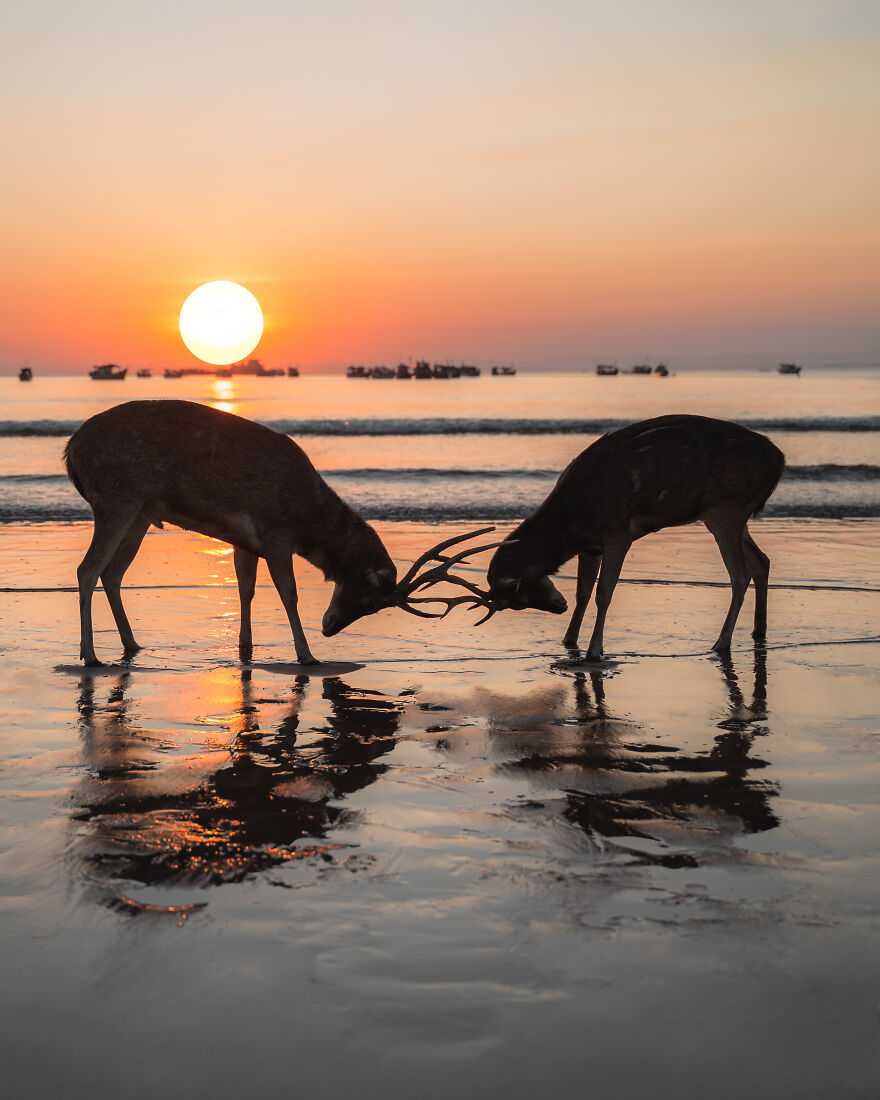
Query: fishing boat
point(789, 368)
point(25, 374)
point(171, 373)
point(255, 367)
point(145, 372)
point(640, 368)
point(422, 369)
point(661, 370)
point(606, 369)
point(108, 372)
point(293, 372)
point(506, 371)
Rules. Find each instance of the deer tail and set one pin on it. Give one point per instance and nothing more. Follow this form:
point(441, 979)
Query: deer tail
point(71, 472)
point(771, 485)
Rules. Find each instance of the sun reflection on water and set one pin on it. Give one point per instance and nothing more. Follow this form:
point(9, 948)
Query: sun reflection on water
point(261, 791)
point(224, 395)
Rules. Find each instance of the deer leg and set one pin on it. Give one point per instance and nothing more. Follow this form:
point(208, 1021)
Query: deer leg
point(759, 567)
point(112, 575)
point(246, 571)
point(729, 536)
point(612, 563)
point(588, 570)
point(281, 571)
point(110, 530)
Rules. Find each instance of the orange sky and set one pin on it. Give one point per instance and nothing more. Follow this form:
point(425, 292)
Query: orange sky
point(543, 183)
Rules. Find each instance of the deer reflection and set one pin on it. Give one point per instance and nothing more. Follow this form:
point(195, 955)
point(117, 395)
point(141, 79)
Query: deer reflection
point(153, 816)
point(617, 785)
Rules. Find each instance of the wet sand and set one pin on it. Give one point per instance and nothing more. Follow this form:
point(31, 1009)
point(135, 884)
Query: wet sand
point(447, 861)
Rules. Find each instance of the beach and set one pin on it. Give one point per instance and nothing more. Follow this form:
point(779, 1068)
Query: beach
point(446, 856)
point(448, 859)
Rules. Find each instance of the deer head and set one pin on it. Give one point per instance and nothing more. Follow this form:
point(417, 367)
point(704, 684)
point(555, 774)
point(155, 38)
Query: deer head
point(371, 591)
point(515, 584)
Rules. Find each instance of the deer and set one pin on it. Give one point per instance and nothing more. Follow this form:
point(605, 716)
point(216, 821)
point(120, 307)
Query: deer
point(147, 463)
point(665, 472)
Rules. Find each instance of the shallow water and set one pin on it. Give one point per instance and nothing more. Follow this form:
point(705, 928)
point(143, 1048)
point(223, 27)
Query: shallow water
point(482, 449)
point(450, 860)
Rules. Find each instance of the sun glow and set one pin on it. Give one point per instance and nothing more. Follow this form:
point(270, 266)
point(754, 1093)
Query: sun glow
point(221, 322)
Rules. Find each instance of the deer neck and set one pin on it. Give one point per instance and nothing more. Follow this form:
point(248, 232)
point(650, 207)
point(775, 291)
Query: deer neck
point(344, 544)
point(546, 537)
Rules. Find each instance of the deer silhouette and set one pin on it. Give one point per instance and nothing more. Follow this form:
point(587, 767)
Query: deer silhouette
point(664, 472)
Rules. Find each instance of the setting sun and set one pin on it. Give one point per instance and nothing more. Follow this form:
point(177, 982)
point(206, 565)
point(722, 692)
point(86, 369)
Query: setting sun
point(221, 322)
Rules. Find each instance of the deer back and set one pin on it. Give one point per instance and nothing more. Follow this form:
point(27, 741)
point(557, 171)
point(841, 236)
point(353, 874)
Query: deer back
point(188, 453)
point(664, 472)
point(220, 474)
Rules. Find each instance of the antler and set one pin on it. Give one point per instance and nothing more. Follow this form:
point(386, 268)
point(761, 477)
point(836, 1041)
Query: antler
point(413, 581)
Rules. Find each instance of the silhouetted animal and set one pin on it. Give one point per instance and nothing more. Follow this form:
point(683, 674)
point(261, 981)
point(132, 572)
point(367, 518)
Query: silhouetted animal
point(658, 473)
point(150, 462)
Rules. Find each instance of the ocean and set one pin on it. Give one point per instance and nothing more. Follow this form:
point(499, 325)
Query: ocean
point(487, 448)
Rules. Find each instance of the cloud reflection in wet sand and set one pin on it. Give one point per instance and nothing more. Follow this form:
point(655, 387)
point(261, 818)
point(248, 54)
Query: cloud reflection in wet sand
point(277, 795)
point(637, 799)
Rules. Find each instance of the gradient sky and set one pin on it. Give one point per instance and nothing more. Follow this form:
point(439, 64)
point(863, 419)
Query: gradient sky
point(543, 182)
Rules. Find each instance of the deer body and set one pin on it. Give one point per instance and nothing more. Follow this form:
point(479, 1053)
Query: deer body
point(151, 462)
point(664, 472)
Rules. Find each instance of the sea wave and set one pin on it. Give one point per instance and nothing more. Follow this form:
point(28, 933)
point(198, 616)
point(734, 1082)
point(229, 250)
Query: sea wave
point(48, 479)
point(61, 428)
point(448, 511)
point(377, 426)
point(831, 472)
point(824, 472)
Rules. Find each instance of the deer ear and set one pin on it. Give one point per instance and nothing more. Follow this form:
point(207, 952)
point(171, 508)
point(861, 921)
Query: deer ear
point(379, 578)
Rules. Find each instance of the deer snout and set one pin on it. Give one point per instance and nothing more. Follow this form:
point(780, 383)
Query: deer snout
point(351, 603)
point(519, 593)
point(543, 595)
point(332, 623)
point(559, 605)
point(336, 619)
